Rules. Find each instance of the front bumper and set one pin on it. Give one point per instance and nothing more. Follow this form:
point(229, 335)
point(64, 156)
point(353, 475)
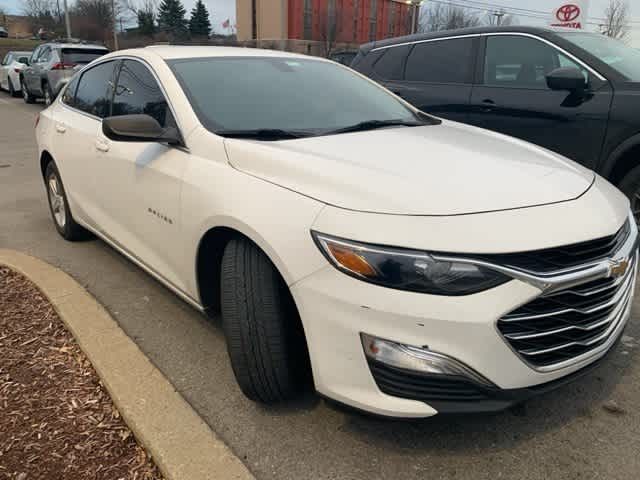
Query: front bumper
point(336, 309)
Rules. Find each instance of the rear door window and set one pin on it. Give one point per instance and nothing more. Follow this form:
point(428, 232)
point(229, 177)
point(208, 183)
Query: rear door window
point(391, 64)
point(78, 56)
point(441, 61)
point(94, 91)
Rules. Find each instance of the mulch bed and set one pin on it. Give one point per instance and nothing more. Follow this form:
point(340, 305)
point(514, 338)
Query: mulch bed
point(56, 419)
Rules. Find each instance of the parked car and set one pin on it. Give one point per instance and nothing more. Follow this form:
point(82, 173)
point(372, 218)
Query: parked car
point(345, 57)
point(52, 65)
point(3, 33)
point(10, 69)
point(407, 265)
point(573, 92)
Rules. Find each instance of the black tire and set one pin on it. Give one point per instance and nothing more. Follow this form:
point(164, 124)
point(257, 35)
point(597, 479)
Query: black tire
point(69, 229)
point(12, 91)
point(49, 96)
point(630, 186)
point(26, 94)
point(265, 340)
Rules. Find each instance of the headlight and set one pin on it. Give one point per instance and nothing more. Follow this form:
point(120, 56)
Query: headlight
point(406, 269)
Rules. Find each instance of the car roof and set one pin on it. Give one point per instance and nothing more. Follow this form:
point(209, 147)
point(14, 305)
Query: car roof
point(187, 51)
point(462, 32)
point(82, 46)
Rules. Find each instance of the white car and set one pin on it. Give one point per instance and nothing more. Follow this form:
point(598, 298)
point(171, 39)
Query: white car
point(405, 265)
point(10, 68)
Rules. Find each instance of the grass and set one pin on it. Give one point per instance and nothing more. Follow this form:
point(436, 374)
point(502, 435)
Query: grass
point(16, 43)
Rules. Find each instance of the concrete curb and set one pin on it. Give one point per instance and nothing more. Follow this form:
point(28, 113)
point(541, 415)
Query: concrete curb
point(180, 442)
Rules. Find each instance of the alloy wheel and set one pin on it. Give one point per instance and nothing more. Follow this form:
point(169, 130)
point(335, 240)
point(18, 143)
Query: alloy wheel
point(47, 97)
point(635, 206)
point(56, 200)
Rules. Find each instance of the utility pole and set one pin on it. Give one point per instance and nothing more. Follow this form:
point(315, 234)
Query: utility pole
point(498, 16)
point(115, 25)
point(66, 20)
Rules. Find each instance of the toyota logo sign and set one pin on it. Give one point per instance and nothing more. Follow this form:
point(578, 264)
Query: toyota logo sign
point(568, 13)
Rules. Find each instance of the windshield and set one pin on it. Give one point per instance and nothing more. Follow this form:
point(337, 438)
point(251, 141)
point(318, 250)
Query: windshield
point(81, 55)
point(288, 94)
point(614, 53)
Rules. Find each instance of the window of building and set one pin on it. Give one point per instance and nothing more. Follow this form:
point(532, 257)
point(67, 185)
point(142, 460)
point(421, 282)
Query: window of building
point(373, 20)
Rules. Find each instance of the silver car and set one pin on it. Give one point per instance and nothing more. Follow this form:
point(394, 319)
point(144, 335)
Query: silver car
point(52, 65)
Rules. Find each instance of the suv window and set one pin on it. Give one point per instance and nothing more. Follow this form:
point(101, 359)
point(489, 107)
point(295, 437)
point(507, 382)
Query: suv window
point(94, 91)
point(522, 62)
point(45, 55)
point(441, 61)
point(391, 64)
point(35, 54)
point(138, 91)
point(7, 59)
point(81, 55)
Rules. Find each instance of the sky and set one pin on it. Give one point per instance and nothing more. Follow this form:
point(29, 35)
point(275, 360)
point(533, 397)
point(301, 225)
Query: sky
point(220, 10)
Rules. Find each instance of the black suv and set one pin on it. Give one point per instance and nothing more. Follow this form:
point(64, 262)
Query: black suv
point(573, 92)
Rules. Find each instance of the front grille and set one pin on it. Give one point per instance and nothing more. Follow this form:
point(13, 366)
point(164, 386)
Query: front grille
point(559, 258)
point(565, 324)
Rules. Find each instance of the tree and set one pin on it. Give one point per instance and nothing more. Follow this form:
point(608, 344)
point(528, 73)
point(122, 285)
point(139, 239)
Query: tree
point(143, 12)
point(616, 20)
point(93, 20)
point(41, 17)
point(439, 16)
point(171, 18)
point(199, 24)
point(330, 28)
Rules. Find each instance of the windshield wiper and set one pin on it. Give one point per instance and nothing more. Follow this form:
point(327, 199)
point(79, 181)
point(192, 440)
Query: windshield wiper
point(373, 124)
point(264, 134)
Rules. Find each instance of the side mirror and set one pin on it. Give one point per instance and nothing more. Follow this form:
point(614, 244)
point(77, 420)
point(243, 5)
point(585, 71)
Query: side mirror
point(566, 78)
point(24, 60)
point(139, 128)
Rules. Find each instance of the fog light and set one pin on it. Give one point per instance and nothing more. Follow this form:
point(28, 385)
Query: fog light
point(417, 359)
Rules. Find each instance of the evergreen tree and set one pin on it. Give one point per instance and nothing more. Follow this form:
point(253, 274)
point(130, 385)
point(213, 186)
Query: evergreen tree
point(146, 22)
point(199, 24)
point(171, 18)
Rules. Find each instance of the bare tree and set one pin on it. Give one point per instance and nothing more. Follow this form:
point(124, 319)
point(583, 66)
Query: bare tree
point(330, 28)
point(43, 17)
point(144, 11)
point(616, 20)
point(446, 17)
point(93, 20)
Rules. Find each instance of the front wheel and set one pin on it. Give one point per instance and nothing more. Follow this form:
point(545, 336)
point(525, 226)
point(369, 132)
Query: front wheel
point(261, 324)
point(630, 186)
point(49, 97)
point(59, 206)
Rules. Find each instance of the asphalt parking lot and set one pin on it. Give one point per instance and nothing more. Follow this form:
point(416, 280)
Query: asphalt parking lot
point(589, 429)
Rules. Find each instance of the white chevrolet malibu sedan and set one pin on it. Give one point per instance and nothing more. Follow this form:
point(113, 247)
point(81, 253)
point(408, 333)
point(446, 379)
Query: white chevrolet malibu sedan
point(401, 264)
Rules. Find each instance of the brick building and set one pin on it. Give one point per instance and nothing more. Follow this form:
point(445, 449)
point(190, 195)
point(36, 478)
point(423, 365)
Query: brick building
point(344, 21)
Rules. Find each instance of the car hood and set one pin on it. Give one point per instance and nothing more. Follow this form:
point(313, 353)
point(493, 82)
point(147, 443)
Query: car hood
point(447, 169)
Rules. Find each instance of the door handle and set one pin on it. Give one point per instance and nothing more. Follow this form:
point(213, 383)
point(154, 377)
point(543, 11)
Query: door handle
point(102, 146)
point(60, 128)
point(488, 105)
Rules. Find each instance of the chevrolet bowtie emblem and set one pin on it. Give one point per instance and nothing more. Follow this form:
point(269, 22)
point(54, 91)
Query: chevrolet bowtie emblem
point(618, 268)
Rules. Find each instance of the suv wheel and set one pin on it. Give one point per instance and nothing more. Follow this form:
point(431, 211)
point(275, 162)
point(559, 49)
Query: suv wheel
point(630, 186)
point(59, 206)
point(26, 95)
point(12, 91)
point(49, 97)
point(261, 324)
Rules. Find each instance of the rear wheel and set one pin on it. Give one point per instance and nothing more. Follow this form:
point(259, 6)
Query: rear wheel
point(12, 91)
point(261, 324)
point(49, 97)
point(59, 206)
point(26, 95)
